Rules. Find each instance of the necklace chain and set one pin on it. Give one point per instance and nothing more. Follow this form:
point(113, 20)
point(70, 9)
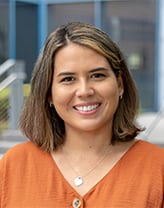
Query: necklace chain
point(79, 180)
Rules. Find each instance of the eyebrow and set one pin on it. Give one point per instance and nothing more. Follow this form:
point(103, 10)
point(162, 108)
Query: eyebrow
point(90, 71)
point(98, 69)
point(65, 73)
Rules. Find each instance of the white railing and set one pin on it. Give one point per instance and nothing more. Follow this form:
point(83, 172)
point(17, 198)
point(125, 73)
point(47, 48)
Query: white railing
point(14, 75)
point(7, 81)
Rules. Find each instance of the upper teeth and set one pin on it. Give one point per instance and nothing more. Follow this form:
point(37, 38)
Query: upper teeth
point(87, 108)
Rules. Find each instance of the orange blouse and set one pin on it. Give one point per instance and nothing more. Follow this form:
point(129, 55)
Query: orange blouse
point(29, 178)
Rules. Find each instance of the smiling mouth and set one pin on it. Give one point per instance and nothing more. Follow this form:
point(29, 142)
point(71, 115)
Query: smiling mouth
point(87, 108)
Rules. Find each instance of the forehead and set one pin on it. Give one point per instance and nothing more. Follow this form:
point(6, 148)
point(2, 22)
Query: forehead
point(77, 56)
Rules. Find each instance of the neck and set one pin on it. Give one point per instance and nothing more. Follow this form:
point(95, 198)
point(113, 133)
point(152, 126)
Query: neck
point(86, 142)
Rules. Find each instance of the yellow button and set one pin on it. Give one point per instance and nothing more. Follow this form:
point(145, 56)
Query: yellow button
point(76, 203)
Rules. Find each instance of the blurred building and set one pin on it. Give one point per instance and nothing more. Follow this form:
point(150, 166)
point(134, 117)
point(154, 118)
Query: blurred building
point(133, 24)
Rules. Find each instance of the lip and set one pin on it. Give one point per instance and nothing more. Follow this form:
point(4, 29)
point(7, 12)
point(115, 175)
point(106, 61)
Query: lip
point(87, 108)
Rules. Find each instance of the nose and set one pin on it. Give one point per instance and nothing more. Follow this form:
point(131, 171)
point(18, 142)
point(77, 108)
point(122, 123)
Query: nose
point(84, 89)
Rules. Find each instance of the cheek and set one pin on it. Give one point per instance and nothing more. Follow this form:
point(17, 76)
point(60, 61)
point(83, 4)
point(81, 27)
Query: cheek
point(60, 96)
point(111, 92)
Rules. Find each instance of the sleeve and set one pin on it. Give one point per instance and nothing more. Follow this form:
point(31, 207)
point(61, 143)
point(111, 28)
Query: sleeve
point(1, 181)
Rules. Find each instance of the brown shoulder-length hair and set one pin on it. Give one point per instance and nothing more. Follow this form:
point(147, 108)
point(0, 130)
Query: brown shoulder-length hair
point(40, 122)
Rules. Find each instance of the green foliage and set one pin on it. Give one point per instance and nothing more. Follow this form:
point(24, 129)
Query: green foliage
point(4, 105)
point(26, 90)
point(5, 93)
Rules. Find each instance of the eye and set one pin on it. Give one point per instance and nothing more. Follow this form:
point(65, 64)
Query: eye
point(98, 76)
point(68, 79)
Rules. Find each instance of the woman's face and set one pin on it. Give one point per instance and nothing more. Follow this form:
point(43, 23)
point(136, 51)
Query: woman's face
point(85, 91)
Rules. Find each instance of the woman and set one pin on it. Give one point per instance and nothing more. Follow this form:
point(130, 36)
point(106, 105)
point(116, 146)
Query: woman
point(80, 120)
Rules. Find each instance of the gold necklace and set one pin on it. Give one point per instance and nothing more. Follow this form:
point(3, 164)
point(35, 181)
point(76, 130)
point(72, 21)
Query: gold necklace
point(79, 180)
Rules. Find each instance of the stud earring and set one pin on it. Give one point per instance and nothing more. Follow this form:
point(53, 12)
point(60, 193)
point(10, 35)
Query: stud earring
point(51, 105)
point(120, 97)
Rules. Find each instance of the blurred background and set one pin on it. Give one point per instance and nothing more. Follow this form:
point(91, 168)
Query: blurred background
point(135, 25)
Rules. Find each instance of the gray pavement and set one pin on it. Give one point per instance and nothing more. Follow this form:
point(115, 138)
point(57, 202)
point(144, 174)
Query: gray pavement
point(153, 122)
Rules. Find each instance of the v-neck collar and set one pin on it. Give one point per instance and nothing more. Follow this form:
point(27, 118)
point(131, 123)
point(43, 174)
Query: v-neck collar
point(113, 169)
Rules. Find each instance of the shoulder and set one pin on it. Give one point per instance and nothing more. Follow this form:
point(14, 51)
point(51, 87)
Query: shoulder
point(148, 151)
point(21, 148)
point(147, 146)
point(22, 152)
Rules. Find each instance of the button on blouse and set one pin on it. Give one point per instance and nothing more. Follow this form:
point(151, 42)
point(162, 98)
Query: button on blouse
point(76, 203)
